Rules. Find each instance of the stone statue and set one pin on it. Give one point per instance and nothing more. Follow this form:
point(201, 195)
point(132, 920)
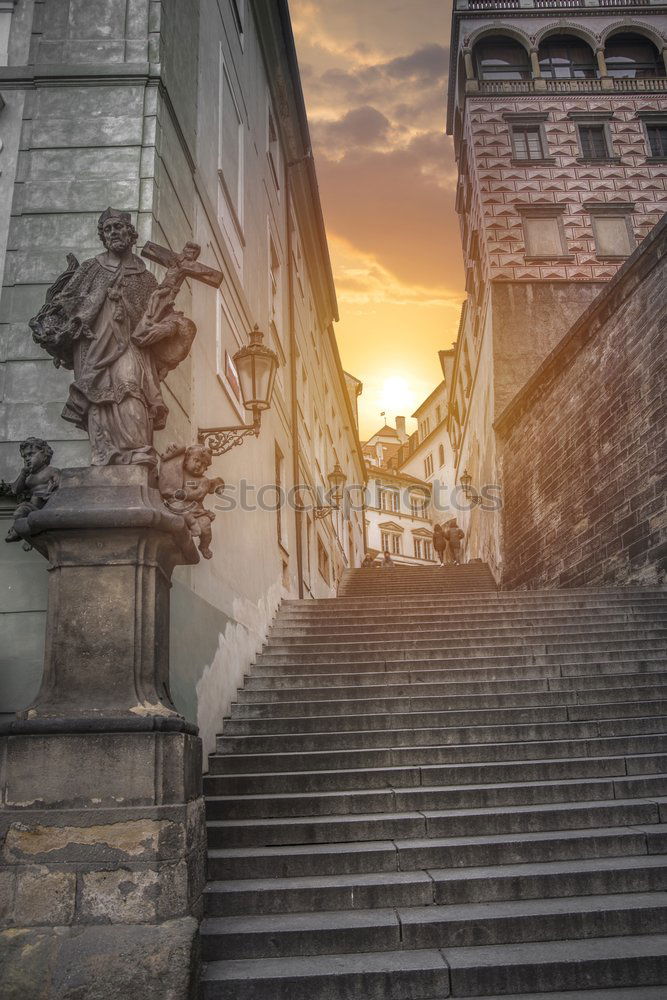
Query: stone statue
point(184, 487)
point(111, 323)
point(36, 482)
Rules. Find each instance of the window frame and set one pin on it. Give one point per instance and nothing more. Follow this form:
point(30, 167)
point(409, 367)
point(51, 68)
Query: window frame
point(616, 73)
point(543, 212)
point(653, 119)
point(612, 210)
point(565, 40)
point(512, 72)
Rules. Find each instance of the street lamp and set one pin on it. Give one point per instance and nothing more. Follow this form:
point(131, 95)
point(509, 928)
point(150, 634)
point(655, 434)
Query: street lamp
point(468, 491)
point(337, 480)
point(257, 366)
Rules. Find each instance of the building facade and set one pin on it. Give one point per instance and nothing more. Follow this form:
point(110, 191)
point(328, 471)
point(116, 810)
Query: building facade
point(559, 117)
point(398, 516)
point(195, 125)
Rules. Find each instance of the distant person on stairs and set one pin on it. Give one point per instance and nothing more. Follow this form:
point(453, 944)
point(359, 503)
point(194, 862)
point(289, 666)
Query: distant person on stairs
point(368, 561)
point(440, 543)
point(387, 562)
point(454, 538)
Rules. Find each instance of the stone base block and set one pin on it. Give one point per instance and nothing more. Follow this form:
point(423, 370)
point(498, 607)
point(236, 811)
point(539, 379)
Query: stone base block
point(112, 962)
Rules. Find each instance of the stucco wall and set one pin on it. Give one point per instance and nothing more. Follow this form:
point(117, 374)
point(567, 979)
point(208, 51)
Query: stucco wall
point(582, 446)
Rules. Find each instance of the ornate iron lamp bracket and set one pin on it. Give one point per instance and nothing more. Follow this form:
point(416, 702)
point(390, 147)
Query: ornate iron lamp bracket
point(220, 440)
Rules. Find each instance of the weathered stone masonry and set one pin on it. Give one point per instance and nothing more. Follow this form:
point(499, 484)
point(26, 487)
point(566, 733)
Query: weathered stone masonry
point(583, 444)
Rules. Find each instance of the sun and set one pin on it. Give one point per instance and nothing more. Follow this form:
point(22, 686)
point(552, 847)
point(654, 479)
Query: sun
point(396, 396)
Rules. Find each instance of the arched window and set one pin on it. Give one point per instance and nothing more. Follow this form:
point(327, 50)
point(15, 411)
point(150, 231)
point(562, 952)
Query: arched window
point(501, 58)
point(441, 455)
point(632, 56)
point(563, 57)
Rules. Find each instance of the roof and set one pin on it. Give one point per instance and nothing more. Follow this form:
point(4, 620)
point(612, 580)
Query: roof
point(429, 399)
point(389, 475)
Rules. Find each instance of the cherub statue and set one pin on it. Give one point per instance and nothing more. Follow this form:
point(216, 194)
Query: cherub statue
point(36, 482)
point(184, 487)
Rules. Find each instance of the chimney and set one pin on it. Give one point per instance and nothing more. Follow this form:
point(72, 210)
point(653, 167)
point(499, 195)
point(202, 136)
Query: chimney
point(400, 427)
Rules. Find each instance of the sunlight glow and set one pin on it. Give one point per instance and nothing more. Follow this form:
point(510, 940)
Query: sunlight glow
point(397, 396)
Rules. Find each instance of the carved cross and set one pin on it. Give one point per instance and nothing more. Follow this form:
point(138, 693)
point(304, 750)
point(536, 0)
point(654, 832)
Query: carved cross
point(184, 264)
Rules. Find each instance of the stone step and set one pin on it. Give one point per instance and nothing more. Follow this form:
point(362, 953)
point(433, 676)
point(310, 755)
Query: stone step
point(434, 797)
point(400, 975)
point(452, 853)
point(502, 653)
point(466, 925)
point(440, 735)
point(493, 600)
point(352, 642)
point(416, 719)
point(363, 706)
point(536, 634)
point(432, 671)
point(275, 697)
point(558, 965)
point(471, 822)
point(470, 753)
point(425, 975)
point(301, 782)
point(441, 887)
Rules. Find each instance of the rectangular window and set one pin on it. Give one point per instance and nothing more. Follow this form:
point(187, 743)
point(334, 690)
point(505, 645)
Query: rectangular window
point(418, 506)
point(423, 549)
point(280, 486)
point(273, 149)
point(657, 140)
point(428, 466)
point(275, 287)
point(613, 235)
point(6, 9)
point(238, 9)
point(323, 561)
point(593, 141)
point(389, 500)
point(230, 145)
point(543, 236)
point(527, 140)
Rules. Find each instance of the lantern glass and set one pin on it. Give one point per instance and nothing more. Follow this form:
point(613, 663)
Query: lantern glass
point(466, 481)
point(257, 366)
point(337, 480)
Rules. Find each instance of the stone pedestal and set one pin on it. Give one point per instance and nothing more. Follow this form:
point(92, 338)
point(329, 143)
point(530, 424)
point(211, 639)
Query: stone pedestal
point(102, 834)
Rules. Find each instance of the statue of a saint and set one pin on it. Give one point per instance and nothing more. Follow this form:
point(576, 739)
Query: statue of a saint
point(111, 323)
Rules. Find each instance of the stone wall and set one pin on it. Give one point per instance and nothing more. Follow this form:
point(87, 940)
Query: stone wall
point(582, 446)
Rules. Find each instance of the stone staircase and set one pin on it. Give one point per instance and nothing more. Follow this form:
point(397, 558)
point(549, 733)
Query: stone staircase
point(428, 789)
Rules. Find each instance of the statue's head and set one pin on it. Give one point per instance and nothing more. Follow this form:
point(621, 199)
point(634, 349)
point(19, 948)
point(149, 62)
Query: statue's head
point(191, 251)
point(116, 231)
point(36, 453)
point(197, 460)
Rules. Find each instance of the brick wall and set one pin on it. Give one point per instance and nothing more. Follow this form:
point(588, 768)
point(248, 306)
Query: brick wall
point(583, 446)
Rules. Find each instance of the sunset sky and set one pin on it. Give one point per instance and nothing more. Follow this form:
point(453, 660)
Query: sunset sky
point(374, 75)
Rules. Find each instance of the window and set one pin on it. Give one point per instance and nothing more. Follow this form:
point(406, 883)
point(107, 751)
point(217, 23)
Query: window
point(612, 228)
point(230, 144)
point(6, 8)
point(428, 466)
point(323, 561)
point(657, 139)
point(502, 59)
point(441, 455)
point(280, 488)
point(423, 549)
point(275, 287)
point(418, 505)
point(389, 499)
point(593, 142)
point(563, 57)
point(438, 414)
point(238, 9)
point(527, 142)
point(544, 234)
point(273, 149)
point(391, 542)
point(632, 56)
